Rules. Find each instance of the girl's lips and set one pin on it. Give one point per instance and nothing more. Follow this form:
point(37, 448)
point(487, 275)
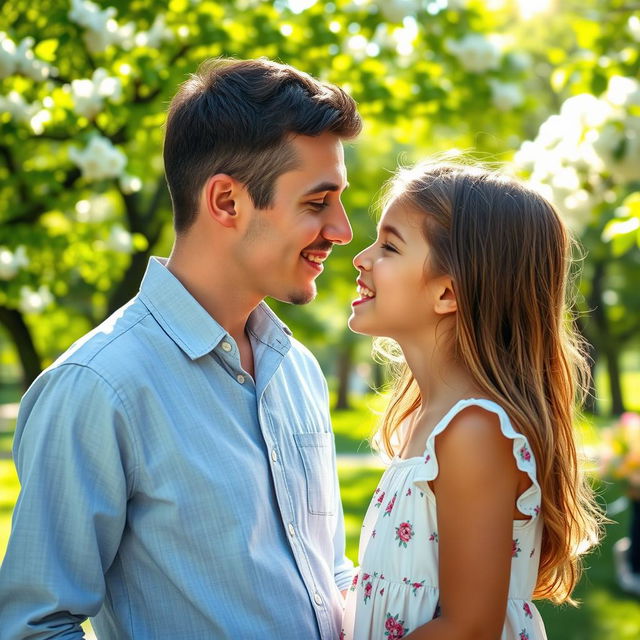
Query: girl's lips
point(355, 303)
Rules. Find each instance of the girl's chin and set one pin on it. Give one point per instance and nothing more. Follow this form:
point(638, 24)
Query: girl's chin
point(357, 326)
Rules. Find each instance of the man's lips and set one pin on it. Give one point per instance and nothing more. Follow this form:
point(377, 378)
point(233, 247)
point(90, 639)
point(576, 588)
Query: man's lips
point(314, 259)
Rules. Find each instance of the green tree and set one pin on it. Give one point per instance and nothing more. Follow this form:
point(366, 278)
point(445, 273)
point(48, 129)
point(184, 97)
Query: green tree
point(84, 88)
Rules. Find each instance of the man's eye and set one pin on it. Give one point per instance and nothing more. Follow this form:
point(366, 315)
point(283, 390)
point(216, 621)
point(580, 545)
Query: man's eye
point(318, 205)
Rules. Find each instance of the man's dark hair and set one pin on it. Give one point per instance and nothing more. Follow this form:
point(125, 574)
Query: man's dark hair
point(237, 117)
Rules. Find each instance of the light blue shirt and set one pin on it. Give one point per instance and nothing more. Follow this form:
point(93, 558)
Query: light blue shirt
point(168, 495)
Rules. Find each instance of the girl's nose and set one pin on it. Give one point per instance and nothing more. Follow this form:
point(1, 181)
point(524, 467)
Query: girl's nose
point(362, 260)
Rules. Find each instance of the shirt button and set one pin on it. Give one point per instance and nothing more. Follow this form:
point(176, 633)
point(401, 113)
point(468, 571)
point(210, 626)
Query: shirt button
point(292, 531)
point(317, 599)
point(226, 346)
point(240, 378)
point(274, 455)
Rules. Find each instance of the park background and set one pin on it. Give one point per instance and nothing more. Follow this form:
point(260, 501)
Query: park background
point(547, 89)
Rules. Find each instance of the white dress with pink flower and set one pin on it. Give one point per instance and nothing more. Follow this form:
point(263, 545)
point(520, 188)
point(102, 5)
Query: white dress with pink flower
point(396, 587)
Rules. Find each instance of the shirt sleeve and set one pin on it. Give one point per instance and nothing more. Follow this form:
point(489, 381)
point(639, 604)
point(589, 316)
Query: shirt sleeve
point(75, 467)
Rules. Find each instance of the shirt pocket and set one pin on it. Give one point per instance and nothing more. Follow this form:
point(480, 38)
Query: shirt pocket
point(316, 451)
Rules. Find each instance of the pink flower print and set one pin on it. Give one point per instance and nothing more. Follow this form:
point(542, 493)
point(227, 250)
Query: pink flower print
point(536, 510)
point(382, 591)
point(389, 508)
point(404, 533)
point(380, 499)
point(377, 491)
point(527, 610)
point(433, 537)
point(341, 634)
point(354, 583)
point(525, 454)
point(524, 635)
point(415, 586)
point(367, 592)
point(408, 491)
point(365, 576)
point(427, 458)
point(515, 549)
point(395, 628)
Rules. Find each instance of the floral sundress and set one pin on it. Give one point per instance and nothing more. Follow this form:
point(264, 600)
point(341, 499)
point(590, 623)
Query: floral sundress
point(395, 589)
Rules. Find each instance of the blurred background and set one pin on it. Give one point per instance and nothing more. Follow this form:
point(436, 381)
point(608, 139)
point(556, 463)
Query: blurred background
point(546, 89)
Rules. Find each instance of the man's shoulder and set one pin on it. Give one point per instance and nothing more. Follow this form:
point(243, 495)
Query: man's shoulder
point(114, 340)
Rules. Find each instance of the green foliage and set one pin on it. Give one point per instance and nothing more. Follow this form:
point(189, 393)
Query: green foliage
point(94, 81)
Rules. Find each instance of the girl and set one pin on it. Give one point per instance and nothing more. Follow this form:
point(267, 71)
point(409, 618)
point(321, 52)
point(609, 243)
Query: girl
point(483, 506)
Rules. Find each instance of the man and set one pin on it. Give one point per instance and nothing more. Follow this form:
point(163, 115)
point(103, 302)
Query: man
point(177, 464)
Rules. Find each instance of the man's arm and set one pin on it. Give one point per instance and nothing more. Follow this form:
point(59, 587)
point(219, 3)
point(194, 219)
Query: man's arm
point(343, 567)
point(71, 451)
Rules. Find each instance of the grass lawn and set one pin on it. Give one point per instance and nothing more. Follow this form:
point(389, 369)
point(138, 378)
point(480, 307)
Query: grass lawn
point(605, 614)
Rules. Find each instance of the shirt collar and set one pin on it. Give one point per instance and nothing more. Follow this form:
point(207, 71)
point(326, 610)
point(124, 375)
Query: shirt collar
point(189, 325)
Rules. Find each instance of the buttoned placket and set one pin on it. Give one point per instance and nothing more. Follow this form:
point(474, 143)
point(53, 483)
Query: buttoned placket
point(287, 512)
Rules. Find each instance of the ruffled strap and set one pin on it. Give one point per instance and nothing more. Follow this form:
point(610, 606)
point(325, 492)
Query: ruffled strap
point(528, 503)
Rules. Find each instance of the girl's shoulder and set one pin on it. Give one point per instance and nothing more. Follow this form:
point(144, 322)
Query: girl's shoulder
point(479, 428)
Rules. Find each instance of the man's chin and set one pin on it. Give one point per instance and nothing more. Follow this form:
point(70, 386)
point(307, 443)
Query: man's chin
point(298, 297)
point(302, 297)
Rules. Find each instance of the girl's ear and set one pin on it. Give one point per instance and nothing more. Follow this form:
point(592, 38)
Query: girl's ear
point(446, 301)
point(220, 193)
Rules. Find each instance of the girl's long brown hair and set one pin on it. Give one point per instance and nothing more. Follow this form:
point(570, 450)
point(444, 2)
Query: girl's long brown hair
point(509, 253)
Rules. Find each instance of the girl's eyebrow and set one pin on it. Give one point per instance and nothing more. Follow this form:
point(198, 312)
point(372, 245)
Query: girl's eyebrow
point(388, 228)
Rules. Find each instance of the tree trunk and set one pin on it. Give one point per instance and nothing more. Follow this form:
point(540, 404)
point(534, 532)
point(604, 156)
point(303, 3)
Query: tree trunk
point(130, 283)
point(615, 384)
point(21, 337)
point(607, 347)
point(345, 364)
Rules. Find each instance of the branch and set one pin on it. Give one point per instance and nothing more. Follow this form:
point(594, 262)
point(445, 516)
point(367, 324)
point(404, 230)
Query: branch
point(31, 214)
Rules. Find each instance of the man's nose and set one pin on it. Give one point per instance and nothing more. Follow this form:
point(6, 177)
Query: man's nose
point(337, 228)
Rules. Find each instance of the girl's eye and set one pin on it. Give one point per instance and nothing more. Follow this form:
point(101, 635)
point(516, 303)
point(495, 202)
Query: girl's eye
point(388, 247)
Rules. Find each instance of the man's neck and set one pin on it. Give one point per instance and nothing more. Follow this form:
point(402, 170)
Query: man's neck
point(226, 303)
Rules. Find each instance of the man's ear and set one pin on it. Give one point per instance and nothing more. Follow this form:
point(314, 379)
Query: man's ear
point(446, 301)
point(220, 194)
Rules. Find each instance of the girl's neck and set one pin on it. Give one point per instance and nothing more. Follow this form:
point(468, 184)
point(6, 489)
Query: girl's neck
point(442, 378)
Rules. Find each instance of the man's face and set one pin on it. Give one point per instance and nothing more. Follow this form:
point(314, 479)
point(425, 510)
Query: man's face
point(283, 248)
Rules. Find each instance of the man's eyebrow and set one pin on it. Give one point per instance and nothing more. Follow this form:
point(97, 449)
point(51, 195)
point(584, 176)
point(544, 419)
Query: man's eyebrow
point(324, 186)
point(388, 228)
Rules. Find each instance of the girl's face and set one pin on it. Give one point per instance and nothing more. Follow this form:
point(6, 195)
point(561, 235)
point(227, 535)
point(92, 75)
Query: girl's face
point(397, 297)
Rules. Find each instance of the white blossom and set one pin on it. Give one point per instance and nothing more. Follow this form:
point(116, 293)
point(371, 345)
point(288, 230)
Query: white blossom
point(398, 10)
point(7, 56)
point(12, 261)
point(633, 25)
point(476, 53)
point(99, 159)
point(20, 59)
point(34, 300)
point(97, 209)
point(623, 92)
point(89, 94)
point(158, 34)
point(506, 95)
point(130, 184)
point(578, 152)
point(18, 107)
point(101, 28)
point(120, 240)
